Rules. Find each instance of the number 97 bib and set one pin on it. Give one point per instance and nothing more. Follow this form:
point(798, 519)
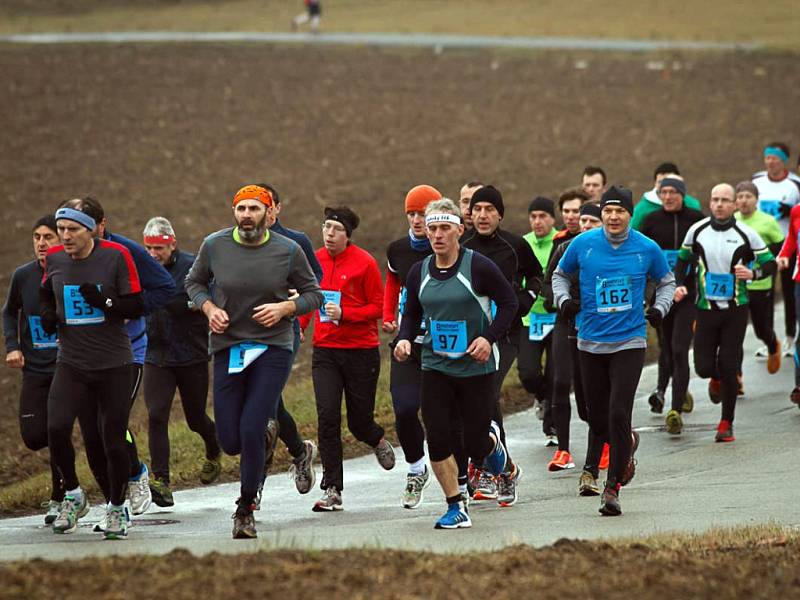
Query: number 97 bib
point(614, 294)
point(449, 338)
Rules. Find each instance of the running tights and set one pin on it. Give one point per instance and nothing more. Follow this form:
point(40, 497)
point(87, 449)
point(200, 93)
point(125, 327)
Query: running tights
point(674, 340)
point(33, 422)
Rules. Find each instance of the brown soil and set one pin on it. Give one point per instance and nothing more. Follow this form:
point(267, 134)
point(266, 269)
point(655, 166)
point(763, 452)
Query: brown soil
point(176, 129)
point(568, 569)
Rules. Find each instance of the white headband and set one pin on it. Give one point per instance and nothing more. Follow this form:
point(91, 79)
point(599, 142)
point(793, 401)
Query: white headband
point(442, 218)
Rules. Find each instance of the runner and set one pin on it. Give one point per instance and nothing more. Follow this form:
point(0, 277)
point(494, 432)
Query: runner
point(312, 16)
point(515, 259)
point(535, 341)
point(593, 183)
point(177, 357)
point(760, 293)
point(90, 287)
point(405, 377)
point(613, 264)
point(788, 251)
point(463, 201)
point(667, 227)
point(722, 249)
point(34, 352)
point(778, 192)
point(651, 201)
point(251, 331)
point(569, 205)
point(567, 374)
point(454, 290)
point(346, 359)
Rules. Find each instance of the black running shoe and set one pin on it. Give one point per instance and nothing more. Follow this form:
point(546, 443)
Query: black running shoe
point(609, 501)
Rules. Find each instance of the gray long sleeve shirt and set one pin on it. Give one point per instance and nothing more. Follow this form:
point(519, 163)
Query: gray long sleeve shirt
point(238, 277)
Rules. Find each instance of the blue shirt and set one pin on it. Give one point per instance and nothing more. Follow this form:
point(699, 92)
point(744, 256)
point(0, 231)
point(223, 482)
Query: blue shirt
point(612, 283)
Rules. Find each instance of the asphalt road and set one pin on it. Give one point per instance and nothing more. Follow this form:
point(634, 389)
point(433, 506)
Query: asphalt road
point(686, 483)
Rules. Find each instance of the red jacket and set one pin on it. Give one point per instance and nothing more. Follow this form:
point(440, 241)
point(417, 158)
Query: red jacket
point(355, 274)
point(790, 243)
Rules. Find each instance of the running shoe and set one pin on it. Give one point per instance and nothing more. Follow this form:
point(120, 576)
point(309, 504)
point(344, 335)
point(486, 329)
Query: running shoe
point(656, 401)
point(385, 454)
point(211, 470)
point(507, 487)
point(688, 403)
point(604, 457)
point(538, 408)
point(457, 516)
point(160, 492)
point(257, 499)
point(587, 484)
point(609, 502)
point(630, 468)
point(53, 508)
point(739, 386)
point(495, 462)
point(331, 500)
point(714, 391)
point(674, 422)
point(724, 432)
point(561, 460)
point(72, 509)
point(795, 396)
point(788, 346)
point(139, 491)
point(302, 469)
point(473, 476)
point(550, 441)
point(774, 361)
point(762, 352)
point(486, 488)
point(101, 525)
point(244, 523)
point(270, 441)
point(116, 526)
point(415, 484)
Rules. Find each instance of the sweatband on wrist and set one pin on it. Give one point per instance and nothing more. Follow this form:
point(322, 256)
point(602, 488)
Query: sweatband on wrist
point(775, 151)
point(70, 214)
point(442, 218)
point(159, 240)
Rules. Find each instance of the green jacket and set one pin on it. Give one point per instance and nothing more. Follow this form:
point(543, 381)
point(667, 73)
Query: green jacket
point(767, 227)
point(542, 248)
point(650, 202)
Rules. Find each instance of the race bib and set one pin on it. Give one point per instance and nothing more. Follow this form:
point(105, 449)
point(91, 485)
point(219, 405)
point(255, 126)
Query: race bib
point(719, 286)
point(771, 207)
point(540, 326)
point(614, 294)
point(329, 296)
point(39, 338)
point(243, 354)
point(672, 258)
point(493, 308)
point(77, 311)
point(449, 338)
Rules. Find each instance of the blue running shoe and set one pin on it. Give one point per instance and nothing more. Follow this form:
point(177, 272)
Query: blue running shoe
point(457, 515)
point(495, 462)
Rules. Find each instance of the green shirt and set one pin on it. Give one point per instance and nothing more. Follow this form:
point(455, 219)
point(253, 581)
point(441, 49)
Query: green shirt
point(767, 227)
point(542, 248)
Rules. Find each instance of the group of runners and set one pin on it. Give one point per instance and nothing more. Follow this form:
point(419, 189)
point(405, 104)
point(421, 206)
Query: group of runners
point(95, 314)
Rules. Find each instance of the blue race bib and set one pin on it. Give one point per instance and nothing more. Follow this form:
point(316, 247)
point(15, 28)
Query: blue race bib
point(493, 308)
point(401, 301)
point(614, 294)
point(771, 207)
point(672, 258)
point(77, 311)
point(39, 338)
point(243, 354)
point(329, 296)
point(540, 326)
point(449, 338)
point(720, 286)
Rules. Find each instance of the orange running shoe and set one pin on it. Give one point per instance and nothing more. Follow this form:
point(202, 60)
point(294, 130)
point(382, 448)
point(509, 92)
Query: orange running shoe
point(774, 360)
point(603, 465)
point(724, 432)
point(561, 460)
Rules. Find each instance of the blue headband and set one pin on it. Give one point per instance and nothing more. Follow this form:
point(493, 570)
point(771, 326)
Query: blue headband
point(75, 215)
point(775, 151)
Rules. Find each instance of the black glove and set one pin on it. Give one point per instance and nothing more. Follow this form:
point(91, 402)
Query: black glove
point(94, 297)
point(570, 308)
point(654, 316)
point(49, 321)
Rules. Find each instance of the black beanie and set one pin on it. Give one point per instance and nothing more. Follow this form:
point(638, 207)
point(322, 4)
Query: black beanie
point(543, 204)
point(490, 194)
point(617, 195)
point(675, 183)
point(343, 215)
point(591, 209)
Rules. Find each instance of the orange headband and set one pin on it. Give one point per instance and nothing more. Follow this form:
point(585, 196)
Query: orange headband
point(254, 192)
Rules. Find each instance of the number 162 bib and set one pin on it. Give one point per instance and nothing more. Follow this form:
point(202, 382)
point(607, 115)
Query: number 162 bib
point(613, 294)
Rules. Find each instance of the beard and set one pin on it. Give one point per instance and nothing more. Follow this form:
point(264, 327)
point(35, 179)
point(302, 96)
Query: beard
point(254, 233)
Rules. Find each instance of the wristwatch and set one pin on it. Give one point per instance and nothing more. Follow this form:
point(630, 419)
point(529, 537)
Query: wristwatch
point(109, 302)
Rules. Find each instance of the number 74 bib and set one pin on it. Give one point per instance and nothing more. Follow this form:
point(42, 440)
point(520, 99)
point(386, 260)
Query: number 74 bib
point(614, 294)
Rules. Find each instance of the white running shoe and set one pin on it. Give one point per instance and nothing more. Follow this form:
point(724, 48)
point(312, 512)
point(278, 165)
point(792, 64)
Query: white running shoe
point(788, 346)
point(139, 492)
point(762, 352)
point(53, 508)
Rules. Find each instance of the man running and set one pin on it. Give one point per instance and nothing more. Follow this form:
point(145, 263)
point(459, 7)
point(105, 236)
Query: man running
point(405, 377)
point(346, 359)
point(788, 251)
point(454, 290)
point(33, 351)
point(613, 264)
point(463, 202)
point(760, 294)
point(778, 192)
point(90, 288)
point(312, 15)
point(569, 205)
point(241, 280)
point(722, 248)
point(667, 227)
point(515, 259)
point(593, 183)
point(177, 358)
point(651, 200)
